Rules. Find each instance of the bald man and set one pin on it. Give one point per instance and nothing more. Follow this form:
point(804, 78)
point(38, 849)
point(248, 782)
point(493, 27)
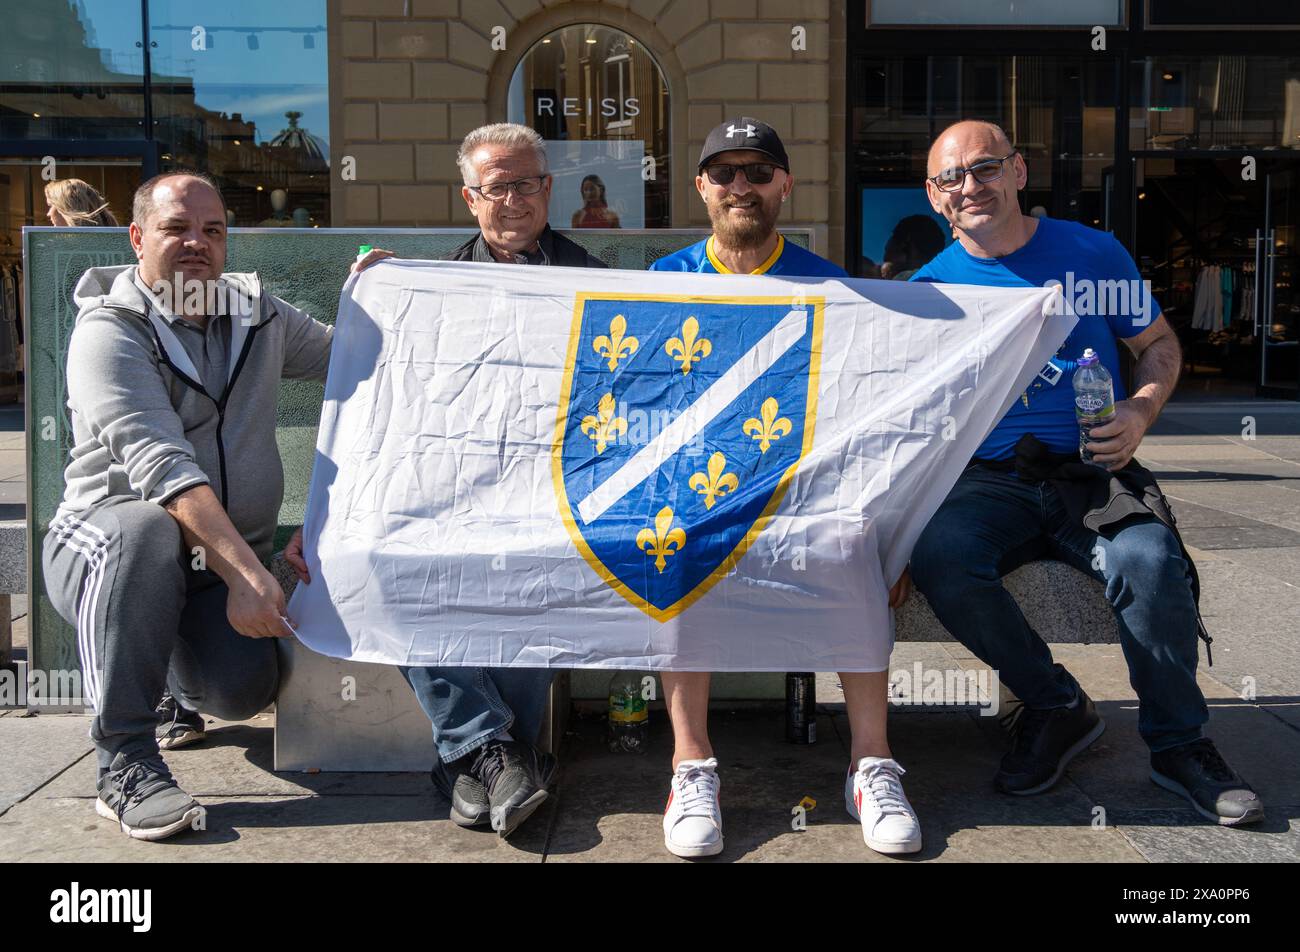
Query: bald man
point(1026, 494)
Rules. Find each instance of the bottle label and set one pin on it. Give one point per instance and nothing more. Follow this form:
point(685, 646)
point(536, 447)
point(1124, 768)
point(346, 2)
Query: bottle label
point(1093, 407)
point(627, 709)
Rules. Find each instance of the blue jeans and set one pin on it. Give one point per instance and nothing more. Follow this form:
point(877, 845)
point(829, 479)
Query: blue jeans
point(471, 706)
point(992, 522)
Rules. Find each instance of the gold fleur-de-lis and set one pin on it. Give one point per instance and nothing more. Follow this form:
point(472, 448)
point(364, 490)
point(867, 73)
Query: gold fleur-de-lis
point(605, 427)
point(615, 346)
point(770, 429)
point(690, 348)
point(662, 540)
point(716, 483)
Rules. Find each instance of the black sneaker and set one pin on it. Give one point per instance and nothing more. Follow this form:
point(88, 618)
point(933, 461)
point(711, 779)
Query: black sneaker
point(1044, 742)
point(1202, 776)
point(177, 726)
point(514, 775)
point(144, 799)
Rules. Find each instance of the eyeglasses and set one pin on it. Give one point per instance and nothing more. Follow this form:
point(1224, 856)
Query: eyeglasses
point(756, 173)
point(498, 190)
point(951, 180)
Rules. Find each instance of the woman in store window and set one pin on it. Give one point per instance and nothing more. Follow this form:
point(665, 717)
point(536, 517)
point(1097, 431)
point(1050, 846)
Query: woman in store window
point(594, 213)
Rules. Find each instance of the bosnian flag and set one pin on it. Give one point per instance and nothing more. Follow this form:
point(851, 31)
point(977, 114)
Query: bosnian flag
point(558, 467)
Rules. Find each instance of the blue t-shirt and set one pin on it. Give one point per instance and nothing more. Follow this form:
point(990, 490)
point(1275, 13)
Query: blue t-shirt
point(788, 259)
point(1100, 283)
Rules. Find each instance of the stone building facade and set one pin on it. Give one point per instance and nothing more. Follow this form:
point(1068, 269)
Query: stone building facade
point(408, 78)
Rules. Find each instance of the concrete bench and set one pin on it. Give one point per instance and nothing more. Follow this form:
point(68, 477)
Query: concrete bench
point(379, 726)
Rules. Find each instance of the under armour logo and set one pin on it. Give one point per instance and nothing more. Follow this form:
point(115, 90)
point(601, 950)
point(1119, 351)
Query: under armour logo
point(748, 131)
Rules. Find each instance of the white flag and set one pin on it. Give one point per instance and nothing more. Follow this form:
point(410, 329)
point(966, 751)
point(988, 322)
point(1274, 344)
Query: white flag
point(559, 467)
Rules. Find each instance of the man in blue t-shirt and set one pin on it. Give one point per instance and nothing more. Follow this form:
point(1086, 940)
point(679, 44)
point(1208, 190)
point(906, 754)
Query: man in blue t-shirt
point(997, 512)
point(743, 178)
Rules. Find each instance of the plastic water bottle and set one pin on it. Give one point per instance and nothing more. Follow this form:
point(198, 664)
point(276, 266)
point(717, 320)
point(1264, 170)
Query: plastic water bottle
point(1094, 398)
point(629, 716)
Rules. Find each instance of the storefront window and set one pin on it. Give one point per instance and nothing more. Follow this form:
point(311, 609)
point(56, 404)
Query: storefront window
point(600, 101)
point(1058, 112)
point(994, 12)
point(1216, 102)
point(73, 69)
point(1203, 13)
point(240, 89)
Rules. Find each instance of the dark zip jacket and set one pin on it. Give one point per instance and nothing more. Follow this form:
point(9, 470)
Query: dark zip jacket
point(555, 250)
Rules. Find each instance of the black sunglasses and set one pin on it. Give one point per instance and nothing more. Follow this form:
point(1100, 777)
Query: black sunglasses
point(756, 173)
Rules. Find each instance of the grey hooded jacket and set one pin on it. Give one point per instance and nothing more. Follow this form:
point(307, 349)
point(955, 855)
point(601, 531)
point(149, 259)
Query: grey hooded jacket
point(160, 405)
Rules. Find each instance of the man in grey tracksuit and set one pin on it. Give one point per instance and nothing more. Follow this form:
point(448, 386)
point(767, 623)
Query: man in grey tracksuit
point(158, 552)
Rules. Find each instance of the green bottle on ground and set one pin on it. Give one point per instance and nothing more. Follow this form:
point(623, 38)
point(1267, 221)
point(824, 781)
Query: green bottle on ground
point(629, 715)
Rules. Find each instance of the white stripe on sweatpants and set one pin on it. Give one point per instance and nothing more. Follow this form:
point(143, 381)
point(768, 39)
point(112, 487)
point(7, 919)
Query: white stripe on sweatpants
point(72, 533)
point(92, 544)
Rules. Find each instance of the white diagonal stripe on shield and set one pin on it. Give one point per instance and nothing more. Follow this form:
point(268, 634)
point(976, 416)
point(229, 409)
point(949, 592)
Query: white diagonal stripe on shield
point(756, 362)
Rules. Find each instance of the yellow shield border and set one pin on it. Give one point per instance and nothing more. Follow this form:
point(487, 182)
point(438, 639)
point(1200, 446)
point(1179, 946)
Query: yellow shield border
point(818, 305)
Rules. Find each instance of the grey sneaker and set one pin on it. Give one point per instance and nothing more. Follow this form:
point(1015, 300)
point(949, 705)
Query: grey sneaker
point(144, 799)
point(469, 801)
point(1199, 773)
point(178, 726)
point(515, 775)
point(470, 806)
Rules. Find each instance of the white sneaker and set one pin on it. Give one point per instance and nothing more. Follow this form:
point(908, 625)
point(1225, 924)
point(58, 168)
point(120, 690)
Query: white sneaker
point(874, 795)
point(693, 819)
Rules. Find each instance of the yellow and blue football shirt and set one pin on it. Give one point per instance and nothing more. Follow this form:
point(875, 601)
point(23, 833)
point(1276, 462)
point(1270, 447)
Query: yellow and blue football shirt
point(788, 259)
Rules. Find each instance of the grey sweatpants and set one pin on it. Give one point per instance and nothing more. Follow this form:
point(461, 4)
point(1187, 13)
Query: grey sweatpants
point(147, 622)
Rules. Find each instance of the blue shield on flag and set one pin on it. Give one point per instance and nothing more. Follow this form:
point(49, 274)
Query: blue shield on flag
point(681, 420)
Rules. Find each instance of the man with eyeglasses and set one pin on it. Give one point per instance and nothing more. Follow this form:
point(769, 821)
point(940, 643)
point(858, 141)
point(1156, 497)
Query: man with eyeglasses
point(744, 177)
point(486, 720)
point(1026, 494)
point(508, 191)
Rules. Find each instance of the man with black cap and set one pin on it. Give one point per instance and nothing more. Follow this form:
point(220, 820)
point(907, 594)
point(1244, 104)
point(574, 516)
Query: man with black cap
point(744, 177)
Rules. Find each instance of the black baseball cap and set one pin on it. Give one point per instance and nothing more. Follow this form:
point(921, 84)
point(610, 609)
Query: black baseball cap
point(745, 132)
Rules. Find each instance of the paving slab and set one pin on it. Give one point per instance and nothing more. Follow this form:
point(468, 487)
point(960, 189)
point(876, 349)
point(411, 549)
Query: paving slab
point(264, 830)
point(619, 817)
point(1266, 469)
point(1265, 502)
point(1252, 618)
point(36, 749)
point(1169, 838)
point(1207, 452)
point(235, 760)
point(1280, 564)
point(1194, 515)
point(1251, 536)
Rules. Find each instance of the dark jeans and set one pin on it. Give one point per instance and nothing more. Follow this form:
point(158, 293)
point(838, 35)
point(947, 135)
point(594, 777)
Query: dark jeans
point(471, 706)
point(993, 521)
